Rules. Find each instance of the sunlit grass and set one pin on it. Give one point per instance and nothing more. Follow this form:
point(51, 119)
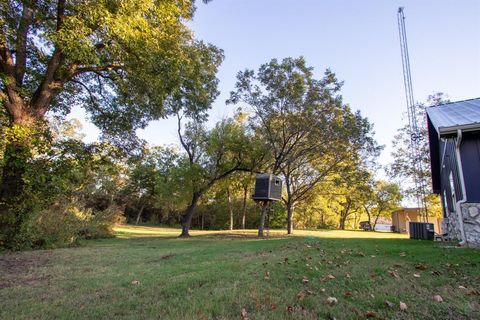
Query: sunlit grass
point(130, 231)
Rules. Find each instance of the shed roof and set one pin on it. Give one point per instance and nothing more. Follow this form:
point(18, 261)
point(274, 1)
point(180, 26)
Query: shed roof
point(448, 118)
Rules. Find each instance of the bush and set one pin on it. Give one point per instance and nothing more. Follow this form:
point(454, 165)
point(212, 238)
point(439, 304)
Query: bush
point(64, 224)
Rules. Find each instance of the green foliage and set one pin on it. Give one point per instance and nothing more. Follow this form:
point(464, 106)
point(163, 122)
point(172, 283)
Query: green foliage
point(68, 192)
point(126, 62)
point(64, 224)
point(310, 134)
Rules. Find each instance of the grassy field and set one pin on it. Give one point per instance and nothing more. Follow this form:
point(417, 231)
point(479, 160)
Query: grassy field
point(148, 273)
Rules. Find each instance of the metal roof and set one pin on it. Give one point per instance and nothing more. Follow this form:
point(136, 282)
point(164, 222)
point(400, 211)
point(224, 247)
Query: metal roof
point(448, 118)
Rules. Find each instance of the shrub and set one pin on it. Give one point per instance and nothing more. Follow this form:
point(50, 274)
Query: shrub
point(64, 224)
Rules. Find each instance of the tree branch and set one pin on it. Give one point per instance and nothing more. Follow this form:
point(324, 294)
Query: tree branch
point(182, 141)
point(21, 45)
point(46, 90)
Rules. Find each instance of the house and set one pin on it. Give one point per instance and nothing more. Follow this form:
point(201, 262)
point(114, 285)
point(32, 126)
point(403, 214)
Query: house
point(454, 138)
point(402, 216)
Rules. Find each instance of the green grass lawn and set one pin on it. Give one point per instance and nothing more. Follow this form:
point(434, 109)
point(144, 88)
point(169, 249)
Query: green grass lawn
point(148, 273)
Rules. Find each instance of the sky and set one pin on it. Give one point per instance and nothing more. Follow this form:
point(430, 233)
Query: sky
point(357, 40)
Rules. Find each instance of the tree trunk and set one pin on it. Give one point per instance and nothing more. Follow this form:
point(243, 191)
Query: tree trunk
point(187, 216)
point(139, 215)
point(290, 209)
point(342, 222)
point(230, 207)
point(376, 220)
point(263, 212)
point(368, 215)
point(244, 206)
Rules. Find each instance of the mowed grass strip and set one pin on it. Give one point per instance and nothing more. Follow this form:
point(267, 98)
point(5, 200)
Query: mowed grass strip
point(148, 273)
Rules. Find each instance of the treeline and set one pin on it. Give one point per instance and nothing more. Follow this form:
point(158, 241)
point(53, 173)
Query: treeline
point(56, 189)
point(288, 123)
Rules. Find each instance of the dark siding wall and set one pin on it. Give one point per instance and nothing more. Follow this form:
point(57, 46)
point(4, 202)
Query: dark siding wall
point(470, 153)
point(450, 166)
point(435, 156)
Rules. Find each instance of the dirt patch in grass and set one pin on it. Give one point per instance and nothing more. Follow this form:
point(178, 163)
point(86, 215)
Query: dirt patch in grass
point(16, 268)
point(168, 256)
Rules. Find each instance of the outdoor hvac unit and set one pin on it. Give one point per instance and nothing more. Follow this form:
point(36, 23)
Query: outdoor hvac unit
point(421, 231)
point(268, 188)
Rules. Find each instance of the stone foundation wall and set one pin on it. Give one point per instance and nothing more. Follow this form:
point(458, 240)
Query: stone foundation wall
point(471, 222)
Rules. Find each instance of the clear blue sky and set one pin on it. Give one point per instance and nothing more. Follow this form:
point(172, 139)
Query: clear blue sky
point(358, 40)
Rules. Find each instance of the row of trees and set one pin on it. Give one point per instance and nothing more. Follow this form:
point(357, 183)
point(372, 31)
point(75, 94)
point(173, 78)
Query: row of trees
point(132, 62)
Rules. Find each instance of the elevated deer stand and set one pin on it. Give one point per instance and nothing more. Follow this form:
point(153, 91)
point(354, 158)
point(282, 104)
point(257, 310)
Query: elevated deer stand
point(268, 188)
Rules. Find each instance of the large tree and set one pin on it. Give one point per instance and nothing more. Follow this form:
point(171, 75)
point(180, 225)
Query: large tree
point(310, 132)
point(211, 156)
point(125, 62)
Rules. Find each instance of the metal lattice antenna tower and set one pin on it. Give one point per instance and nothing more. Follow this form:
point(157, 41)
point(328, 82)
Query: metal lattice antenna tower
point(415, 136)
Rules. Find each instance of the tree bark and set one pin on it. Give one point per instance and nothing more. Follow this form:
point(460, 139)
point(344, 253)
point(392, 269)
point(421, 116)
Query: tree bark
point(263, 212)
point(290, 209)
point(139, 215)
point(187, 216)
point(244, 206)
point(342, 222)
point(230, 207)
point(376, 220)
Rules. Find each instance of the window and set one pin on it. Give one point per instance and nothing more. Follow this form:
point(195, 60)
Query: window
point(277, 182)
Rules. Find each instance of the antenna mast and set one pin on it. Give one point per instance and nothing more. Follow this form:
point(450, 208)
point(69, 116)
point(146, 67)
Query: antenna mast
point(415, 135)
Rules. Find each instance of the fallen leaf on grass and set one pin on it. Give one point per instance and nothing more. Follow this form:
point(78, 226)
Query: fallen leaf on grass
point(348, 294)
point(371, 314)
point(389, 304)
point(462, 287)
point(267, 275)
point(437, 298)
point(421, 266)
point(347, 275)
point(331, 276)
point(436, 273)
point(393, 274)
point(331, 301)
point(304, 280)
point(322, 290)
point(243, 314)
point(289, 309)
point(474, 293)
point(403, 254)
point(301, 295)
point(416, 275)
point(403, 306)
point(135, 282)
